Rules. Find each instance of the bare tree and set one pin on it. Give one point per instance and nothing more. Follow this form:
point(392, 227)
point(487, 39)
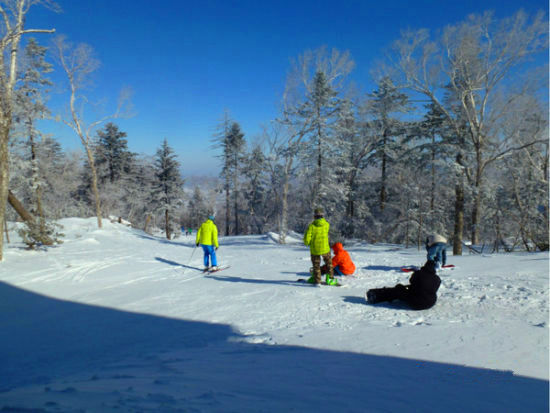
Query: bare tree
point(12, 14)
point(79, 63)
point(473, 61)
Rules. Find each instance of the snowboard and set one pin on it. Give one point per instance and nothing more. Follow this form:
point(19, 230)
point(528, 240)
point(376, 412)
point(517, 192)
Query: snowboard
point(413, 268)
point(304, 280)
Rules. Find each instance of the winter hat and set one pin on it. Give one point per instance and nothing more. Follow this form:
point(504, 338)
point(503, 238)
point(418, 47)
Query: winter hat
point(211, 217)
point(318, 212)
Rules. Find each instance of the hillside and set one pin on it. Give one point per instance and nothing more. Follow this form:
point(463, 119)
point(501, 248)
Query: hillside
point(118, 320)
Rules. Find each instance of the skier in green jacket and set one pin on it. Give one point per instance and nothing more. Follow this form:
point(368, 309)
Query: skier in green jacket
point(207, 237)
point(316, 237)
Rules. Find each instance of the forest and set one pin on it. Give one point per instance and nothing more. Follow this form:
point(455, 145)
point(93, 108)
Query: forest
point(453, 140)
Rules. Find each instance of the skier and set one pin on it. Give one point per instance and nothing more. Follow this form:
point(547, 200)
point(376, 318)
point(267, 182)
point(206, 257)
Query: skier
point(207, 237)
point(341, 262)
point(436, 247)
point(419, 295)
point(316, 237)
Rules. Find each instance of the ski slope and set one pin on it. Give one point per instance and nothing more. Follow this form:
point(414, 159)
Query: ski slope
point(116, 320)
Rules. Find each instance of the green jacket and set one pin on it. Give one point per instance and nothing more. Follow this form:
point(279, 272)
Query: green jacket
point(207, 234)
point(316, 237)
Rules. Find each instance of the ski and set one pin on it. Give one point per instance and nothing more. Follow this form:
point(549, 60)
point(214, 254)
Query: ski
point(218, 269)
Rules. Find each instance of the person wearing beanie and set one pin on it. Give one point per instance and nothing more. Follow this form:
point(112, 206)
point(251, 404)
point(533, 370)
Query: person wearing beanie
point(436, 248)
point(316, 237)
point(420, 294)
point(207, 237)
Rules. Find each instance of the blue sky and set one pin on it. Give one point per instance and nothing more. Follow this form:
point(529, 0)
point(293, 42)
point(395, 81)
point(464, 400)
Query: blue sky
point(187, 61)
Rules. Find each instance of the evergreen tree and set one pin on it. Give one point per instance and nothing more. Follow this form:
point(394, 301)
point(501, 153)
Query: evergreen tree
point(197, 209)
point(233, 148)
point(220, 141)
point(385, 102)
point(168, 183)
point(319, 152)
point(111, 153)
point(255, 189)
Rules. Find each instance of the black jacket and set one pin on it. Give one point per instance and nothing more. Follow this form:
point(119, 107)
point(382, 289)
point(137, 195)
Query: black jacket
point(424, 284)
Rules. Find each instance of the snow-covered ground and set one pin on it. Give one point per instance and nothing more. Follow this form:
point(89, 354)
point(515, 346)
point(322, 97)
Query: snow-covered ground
point(115, 320)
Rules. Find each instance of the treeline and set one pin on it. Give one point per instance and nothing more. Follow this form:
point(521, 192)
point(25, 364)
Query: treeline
point(453, 139)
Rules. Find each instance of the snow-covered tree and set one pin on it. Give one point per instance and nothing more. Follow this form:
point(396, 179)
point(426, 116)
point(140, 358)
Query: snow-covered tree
point(12, 30)
point(112, 154)
point(384, 104)
point(310, 104)
point(255, 190)
point(79, 63)
point(198, 209)
point(168, 184)
point(230, 139)
point(479, 60)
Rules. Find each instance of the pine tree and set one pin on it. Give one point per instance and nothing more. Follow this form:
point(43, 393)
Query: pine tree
point(220, 141)
point(197, 209)
point(111, 153)
point(385, 102)
point(255, 189)
point(233, 146)
point(168, 184)
point(321, 107)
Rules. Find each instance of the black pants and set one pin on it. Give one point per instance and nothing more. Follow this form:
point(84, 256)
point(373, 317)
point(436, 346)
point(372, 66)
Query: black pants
point(399, 292)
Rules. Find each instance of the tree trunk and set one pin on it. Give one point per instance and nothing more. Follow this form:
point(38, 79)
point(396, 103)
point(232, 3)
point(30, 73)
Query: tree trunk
point(420, 227)
point(167, 223)
point(432, 195)
point(19, 208)
point(235, 201)
point(476, 211)
point(227, 210)
point(95, 189)
point(147, 221)
point(459, 217)
point(283, 228)
point(5, 124)
point(25, 215)
point(36, 181)
point(383, 194)
point(6, 231)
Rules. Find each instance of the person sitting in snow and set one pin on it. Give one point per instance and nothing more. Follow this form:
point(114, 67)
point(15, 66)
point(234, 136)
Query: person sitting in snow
point(436, 247)
point(316, 237)
point(421, 294)
point(207, 237)
point(341, 262)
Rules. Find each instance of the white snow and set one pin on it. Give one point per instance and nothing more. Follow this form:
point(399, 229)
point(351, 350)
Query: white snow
point(115, 320)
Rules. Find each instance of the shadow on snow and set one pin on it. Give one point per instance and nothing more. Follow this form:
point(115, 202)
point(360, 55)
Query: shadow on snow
point(49, 343)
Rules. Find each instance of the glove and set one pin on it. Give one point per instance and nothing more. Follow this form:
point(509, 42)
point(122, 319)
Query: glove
point(216, 248)
point(197, 244)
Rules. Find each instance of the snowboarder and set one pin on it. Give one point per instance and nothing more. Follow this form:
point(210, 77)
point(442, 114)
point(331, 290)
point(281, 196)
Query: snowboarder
point(341, 262)
point(421, 294)
point(207, 237)
point(316, 237)
point(436, 247)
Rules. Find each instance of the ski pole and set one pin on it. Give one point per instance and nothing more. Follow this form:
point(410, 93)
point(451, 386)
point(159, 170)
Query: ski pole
point(190, 258)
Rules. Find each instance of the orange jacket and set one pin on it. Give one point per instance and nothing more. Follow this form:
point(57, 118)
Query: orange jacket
point(342, 259)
